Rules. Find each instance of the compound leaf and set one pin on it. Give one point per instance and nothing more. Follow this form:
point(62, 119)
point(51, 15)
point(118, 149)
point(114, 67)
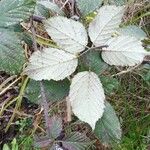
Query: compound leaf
point(105, 24)
point(67, 33)
point(87, 97)
point(51, 63)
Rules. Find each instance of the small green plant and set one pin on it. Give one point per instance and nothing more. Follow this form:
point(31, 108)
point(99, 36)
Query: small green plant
point(71, 65)
point(14, 145)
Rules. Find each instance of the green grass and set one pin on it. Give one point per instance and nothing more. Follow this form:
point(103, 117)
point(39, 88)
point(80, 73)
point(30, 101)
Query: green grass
point(132, 104)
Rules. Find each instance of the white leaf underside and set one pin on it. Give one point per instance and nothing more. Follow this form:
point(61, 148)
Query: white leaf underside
point(87, 97)
point(105, 24)
point(133, 31)
point(67, 33)
point(51, 63)
point(123, 51)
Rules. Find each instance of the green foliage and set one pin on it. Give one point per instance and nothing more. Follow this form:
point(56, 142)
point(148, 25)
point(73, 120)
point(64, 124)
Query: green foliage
point(41, 11)
point(26, 142)
point(55, 90)
point(22, 34)
point(88, 6)
point(76, 141)
point(14, 145)
point(146, 77)
point(13, 12)
point(145, 74)
point(6, 147)
point(134, 112)
point(93, 61)
point(109, 83)
point(23, 124)
point(71, 141)
point(108, 128)
point(11, 52)
point(55, 126)
point(47, 6)
point(72, 39)
point(117, 2)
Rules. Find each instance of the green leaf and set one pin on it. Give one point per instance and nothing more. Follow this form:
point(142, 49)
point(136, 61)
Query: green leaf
point(133, 31)
point(93, 61)
point(146, 77)
point(6, 147)
point(117, 2)
point(109, 84)
point(108, 128)
point(88, 6)
point(55, 126)
point(22, 34)
point(11, 52)
point(145, 74)
point(76, 141)
point(42, 142)
point(55, 90)
point(14, 144)
point(15, 11)
point(40, 10)
point(52, 7)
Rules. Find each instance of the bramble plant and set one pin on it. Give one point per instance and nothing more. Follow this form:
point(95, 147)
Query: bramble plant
point(71, 64)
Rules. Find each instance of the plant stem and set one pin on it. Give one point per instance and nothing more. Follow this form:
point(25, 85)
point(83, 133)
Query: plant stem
point(69, 112)
point(93, 48)
point(38, 18)
point(19, 100)
point(46, 108)
point(44, 103)
point(41, 40)
point(5, 89)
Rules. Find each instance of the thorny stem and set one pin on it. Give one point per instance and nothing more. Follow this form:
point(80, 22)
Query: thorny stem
point(33, 35)
point(46, 108)
point(44, 103)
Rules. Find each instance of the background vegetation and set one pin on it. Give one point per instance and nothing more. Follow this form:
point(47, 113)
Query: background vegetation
point(128, 93)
